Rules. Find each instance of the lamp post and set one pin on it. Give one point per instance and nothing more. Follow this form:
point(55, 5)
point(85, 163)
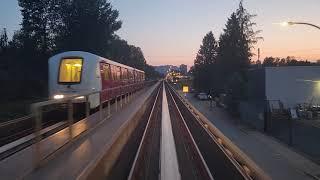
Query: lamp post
point(303, 23)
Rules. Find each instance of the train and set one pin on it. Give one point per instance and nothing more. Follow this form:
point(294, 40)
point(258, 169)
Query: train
point(76, 73)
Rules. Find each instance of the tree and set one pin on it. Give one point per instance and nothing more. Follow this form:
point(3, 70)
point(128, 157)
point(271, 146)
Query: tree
point(127, 54)
point(35, 42)
point(3, 40)
point(130, 55)
point(35, 24)
point(88, 25)
point(151, 73)
point(235, 46)
point(204, 62)
point(288, 61)
point(3, 49)
point(208, 50)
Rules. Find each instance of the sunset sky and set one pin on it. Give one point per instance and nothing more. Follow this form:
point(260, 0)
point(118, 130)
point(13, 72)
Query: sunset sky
point(170, 31)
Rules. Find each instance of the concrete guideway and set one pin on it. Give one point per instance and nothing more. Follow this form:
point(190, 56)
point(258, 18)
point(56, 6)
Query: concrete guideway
point(275, 158)
point(169, 162)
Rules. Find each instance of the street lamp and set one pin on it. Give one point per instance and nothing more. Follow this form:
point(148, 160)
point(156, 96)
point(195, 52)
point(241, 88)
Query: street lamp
point(303, 23)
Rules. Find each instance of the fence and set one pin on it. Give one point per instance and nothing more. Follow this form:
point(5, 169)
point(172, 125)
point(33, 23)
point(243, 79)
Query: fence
point(252, 113)
point(274, 119)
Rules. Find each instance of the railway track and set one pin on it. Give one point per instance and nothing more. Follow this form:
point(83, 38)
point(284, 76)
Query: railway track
point(199, 154)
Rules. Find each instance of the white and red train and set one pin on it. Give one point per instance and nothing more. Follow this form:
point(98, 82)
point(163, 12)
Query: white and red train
point(76, 73)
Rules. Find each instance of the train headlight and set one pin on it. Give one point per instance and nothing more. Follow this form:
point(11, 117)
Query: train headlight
point(58, 96)
point(80, 97)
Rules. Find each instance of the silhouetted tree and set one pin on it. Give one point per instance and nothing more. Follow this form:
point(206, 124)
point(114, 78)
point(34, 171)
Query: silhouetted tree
point(204, 62)
point(124, 53)
point(151, 73)
point(235, 48)
point(88, 25)
point(130, 55)
point(35, 20)
point(3, 49)
point(3, 40)
point(288, 61)
point(236, 42)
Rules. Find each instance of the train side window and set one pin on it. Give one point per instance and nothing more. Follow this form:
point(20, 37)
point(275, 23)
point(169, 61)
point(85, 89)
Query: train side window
point(123, 73)
point(106, 71)
point(126, 74)
point(113, 72)
point(118, 73)
point(70, 70)
point(130, 75)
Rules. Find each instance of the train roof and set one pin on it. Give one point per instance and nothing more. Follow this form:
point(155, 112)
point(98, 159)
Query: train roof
point(87, 55)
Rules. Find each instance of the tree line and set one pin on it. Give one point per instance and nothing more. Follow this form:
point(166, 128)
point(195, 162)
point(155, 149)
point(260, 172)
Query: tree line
point(220, 65)
point(53, 26)
point(288, 61)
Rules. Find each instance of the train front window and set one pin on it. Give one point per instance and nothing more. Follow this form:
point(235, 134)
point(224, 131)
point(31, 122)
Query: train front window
point(70, 70)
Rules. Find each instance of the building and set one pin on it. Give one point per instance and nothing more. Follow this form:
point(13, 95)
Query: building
point(183, 69)
point(274, 88)
point(291, 85)
point(164, 69)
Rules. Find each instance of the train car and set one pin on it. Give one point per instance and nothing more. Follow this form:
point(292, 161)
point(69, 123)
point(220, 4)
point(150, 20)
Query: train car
point(77, 73)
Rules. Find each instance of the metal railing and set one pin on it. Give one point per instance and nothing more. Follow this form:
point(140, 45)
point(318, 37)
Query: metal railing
point(123, 93)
